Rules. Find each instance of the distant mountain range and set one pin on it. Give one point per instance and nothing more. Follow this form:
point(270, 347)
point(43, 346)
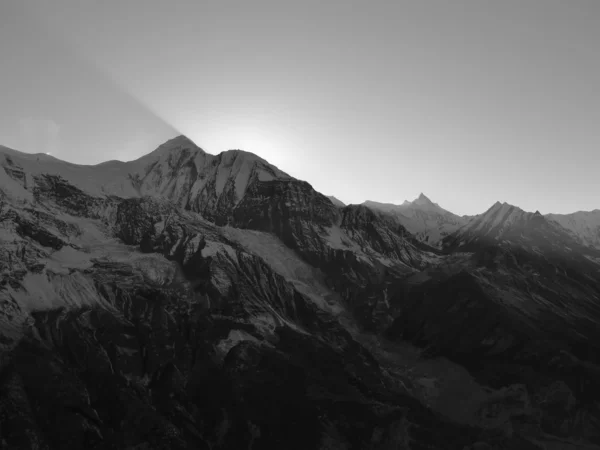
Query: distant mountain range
point(431, 223)
point(194, 301)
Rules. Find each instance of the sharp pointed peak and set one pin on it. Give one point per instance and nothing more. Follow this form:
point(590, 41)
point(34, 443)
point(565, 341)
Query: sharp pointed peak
point(423, 200)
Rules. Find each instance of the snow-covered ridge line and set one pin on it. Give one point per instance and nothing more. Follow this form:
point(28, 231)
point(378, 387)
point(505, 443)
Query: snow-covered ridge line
point(173, 145)
point(177, 170)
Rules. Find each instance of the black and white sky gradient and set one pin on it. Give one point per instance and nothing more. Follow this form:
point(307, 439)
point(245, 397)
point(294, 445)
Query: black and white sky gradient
point(467, 101)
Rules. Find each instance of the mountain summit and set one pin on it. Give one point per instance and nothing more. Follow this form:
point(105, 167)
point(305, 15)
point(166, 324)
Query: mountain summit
point(423, 201)
point(428, 221)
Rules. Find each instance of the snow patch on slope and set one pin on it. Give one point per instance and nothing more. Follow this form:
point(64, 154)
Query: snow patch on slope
point(338, 239)
point(234, 338)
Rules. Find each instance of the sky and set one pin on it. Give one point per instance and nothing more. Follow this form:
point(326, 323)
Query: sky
point(470, 102)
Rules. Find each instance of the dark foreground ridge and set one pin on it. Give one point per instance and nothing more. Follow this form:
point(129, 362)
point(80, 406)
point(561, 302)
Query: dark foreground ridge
point(191, 301)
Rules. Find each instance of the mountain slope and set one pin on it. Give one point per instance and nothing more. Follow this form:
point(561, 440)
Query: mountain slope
point(336, 201)
point(583, 224)
point(426, 220)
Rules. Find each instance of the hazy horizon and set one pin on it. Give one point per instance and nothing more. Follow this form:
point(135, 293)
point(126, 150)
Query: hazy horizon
point(469, 103)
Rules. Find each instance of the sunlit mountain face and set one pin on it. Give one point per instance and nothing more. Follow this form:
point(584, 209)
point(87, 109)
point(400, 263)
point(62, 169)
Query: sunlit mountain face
point(186, 300)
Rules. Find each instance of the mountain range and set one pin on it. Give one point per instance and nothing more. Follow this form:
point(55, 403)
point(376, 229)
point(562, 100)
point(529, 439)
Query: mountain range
point(194, 301)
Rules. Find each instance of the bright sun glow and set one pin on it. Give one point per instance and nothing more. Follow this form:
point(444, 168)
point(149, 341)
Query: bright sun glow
point(270, 146)
point(251, 139)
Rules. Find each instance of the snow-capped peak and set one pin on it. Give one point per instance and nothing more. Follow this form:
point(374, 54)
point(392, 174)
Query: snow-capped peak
point(178, 170)
point(178, 142)
point(183, 172)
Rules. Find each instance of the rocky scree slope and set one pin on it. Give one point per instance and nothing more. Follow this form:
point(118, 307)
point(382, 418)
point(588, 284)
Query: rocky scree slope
point(178, 307)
